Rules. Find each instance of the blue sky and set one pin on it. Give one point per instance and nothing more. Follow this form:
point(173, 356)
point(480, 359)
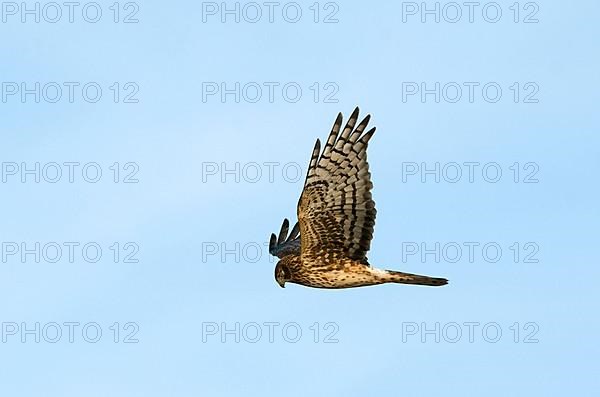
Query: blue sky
point(183, 269)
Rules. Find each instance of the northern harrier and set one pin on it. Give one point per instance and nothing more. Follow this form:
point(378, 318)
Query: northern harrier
point(336, 214)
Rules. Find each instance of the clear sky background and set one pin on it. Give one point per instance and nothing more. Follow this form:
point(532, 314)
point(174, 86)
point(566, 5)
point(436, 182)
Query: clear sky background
point(196, 264)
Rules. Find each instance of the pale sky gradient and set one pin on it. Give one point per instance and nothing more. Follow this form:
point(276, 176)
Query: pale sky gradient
point(175, 293)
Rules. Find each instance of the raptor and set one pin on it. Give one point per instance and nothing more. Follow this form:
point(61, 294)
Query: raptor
point(327, 247)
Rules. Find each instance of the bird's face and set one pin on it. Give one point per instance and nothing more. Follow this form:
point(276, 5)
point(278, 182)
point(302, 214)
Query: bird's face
point(282, 273)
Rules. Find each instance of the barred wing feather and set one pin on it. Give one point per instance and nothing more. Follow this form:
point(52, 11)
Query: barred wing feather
point(336, 211)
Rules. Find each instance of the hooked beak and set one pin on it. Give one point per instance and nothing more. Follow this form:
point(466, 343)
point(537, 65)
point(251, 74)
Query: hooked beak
point(281, 284)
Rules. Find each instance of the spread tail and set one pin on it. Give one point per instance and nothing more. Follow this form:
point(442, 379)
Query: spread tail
point(408, 278)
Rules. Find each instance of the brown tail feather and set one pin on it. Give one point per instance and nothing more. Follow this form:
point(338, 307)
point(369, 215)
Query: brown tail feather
point(408, 278)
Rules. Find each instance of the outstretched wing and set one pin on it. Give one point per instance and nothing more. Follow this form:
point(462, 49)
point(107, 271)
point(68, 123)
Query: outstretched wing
point(336, 211)
point(285, 245)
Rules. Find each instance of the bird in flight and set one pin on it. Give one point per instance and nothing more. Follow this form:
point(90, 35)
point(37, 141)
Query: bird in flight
point(327, 247)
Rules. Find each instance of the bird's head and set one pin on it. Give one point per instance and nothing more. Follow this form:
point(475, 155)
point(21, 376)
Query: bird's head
point(282, 272)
